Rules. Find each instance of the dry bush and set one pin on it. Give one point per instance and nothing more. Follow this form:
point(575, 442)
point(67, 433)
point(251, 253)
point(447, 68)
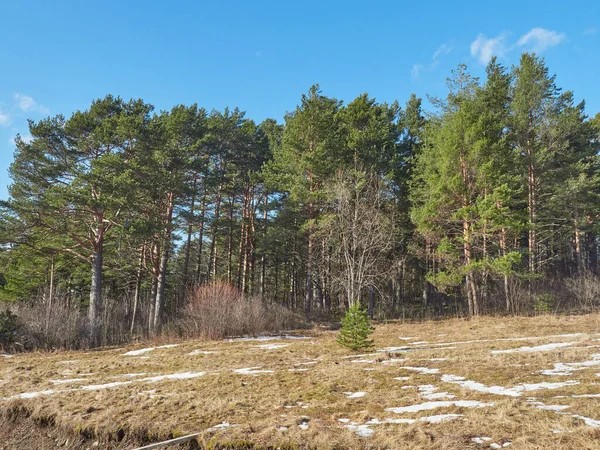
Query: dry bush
point(218, 310)
point(584, 291)
point(59, 326)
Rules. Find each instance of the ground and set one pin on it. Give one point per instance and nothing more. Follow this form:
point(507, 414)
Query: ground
point(521, 383)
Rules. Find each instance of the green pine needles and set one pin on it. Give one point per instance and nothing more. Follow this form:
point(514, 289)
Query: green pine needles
point(356, 328)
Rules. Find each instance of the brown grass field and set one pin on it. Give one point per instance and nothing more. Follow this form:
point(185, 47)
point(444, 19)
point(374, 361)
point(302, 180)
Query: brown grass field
point(312, 393)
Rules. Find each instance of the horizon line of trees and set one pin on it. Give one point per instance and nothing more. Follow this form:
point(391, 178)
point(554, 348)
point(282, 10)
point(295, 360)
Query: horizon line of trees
point(480, 205)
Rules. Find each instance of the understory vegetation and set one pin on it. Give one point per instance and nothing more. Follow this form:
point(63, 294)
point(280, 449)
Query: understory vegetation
point(124, 223)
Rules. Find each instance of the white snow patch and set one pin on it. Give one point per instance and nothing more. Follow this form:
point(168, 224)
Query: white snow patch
point(265, 338)
point(481, 440)
point(440, 418)
point(71, 380)
point(298, 370)
point(561, 369)
point(251, 371)
point(363, 361)
point(402, 379)
point(31, 394)
point(355, 394)
point(201, 352)
point(98, 387)
point(539, 348)
point(306, 363)
point(500, 390)
point(393, 360)
point(6, 355)
point(421, 370)
point(360, 356)
point(344, 420)
point(141, 351)
point(406, 338)
point(271, 346)
point(174, 376)
point(428, 391)
point(439, 404)
point(221, 426)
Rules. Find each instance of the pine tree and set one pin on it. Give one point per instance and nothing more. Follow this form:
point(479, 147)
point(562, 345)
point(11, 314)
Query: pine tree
point(356, 329)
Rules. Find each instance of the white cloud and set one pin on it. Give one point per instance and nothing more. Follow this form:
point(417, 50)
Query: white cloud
point(589, 31)
point(27, 138)
point(540, 39)
point(26, 103)
point(4, 119)
point(443, 49)
point(483, 48)
point(416, 70)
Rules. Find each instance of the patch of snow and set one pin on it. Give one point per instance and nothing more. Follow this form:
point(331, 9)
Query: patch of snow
point(440, 418)
point(363, 361)
point(283, 428)
point(146, 350)
point(402, 379)
point(201, 352)
point(306, 363)
point(589, 422)
point(360, 356)
point(25, 395)
point(481, 440)
point(6, 355)
point(428, 391)
point(265, 338)
point(421, 370)
point(221, 426)
point(71, 380)
point(298, 370)
point(174, 376)
point(500, 390)
point(361, 430)
point(251, 371)
point(406, 338)
point(562, 369)
point(355, 394)
point(271, 346)
point(539, 348)
point(439, 404)
point(98, 387)
point(418, 343)
point(393, 360)
point(344, 420)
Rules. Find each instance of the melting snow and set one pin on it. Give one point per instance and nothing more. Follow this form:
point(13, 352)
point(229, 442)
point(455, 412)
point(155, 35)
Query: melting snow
point(265, 338)
point(221, 426)
point(406, 338)
point(439, 404)
point(363, 361)
point(402, 378)
point(146, 350)
point(355, 394)
point(428, 391)
point(271, 346)
point(97, 387)
point(500, 390)
point(481, 440)
point(539, 348)
point(421, 370)
point(201, 352)
point(569, 368)
point(251, 371)
point(174, 376)
point(5, 355)
point(72, 380)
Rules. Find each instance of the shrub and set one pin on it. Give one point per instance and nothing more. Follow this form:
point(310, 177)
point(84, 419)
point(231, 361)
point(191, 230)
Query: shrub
point(356, 328)
point(544, 303)
point(219, 310)
point(8, 327)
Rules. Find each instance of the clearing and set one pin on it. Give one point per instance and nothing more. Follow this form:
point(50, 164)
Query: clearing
point(520, 383)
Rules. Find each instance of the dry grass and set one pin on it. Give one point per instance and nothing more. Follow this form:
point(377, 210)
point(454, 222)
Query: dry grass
point(268, 408)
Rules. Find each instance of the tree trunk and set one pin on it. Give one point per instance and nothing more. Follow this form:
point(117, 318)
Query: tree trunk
point(592, 252)
point(212, 263)
point(371, 302)
point(164, 260)
point(200, 238)
point(138, 285)
point(186, 262)
point(95, 310)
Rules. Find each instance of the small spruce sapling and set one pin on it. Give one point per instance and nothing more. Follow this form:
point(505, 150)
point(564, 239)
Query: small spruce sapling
point(356, 328)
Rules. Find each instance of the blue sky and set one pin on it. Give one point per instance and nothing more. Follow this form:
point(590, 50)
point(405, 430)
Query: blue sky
point(56, 57)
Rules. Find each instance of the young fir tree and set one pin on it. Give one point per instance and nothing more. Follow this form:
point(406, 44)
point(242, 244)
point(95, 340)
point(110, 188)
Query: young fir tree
point(356, 328)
